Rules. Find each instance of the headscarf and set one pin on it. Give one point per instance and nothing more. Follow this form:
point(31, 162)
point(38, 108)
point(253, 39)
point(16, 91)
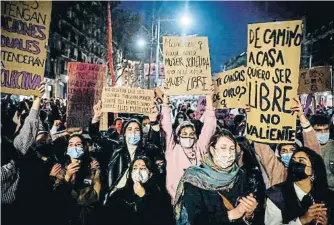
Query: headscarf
point(208, 177)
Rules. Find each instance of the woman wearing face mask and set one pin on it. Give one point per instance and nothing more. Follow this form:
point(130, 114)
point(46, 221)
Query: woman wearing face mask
point(304, 198)
point(218, 191)
point(115, 157)
point(140, 201)
point(78, 183)
point(275, 167)
point(35, 184)
point(185, 150)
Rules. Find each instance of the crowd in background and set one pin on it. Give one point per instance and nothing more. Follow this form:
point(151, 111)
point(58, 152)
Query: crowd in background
point(177, 165)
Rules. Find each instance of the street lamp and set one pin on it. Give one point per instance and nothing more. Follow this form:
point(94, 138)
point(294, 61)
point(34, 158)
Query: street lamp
point(186, 20)
point(141, 43)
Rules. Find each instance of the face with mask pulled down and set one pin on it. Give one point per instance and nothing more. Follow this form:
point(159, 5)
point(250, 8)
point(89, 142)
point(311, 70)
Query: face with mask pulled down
point(224, 153)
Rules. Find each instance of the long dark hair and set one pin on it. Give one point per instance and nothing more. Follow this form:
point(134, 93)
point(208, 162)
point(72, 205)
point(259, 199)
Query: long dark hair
point(319, 190)
point(320, 182)
point(125, 126)
point(148, 164)
point(86, 160)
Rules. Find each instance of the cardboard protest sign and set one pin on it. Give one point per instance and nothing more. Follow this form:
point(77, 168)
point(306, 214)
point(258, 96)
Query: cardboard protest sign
point(104, 122)
point(231, 89)
point(24, 35)
point(187, 65)
point(127, 100)
point(317, 79)
point(84, 90)
point(273, 57)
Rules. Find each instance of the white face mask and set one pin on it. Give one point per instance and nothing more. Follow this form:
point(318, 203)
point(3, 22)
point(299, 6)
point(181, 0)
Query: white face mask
point(146, 129)
point(187, 142)
point(139, 176)
point(225, 159)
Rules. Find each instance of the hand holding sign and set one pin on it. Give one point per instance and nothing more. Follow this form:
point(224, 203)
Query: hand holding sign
point(298, 108)
point(154, 114)
point(97, 111)
point(41, 90)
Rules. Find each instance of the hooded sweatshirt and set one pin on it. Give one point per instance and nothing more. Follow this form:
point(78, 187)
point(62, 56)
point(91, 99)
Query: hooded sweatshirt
point(176, 155)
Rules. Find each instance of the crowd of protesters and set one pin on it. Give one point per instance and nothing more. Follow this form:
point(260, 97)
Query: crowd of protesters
point(174, 166)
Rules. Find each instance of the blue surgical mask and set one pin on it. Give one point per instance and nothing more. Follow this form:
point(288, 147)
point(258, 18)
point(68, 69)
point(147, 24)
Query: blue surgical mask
point(132, 139)
point(285, 158)
point(323, 138)
point(75, 152)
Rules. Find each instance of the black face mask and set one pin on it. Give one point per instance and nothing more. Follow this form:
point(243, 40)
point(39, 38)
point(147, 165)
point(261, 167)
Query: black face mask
point(45, 148)
point(298, 171)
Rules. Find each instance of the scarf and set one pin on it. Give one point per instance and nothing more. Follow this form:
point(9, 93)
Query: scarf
point(208, 177)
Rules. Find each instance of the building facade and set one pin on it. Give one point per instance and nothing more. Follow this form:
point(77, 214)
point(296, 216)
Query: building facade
point(78, 33)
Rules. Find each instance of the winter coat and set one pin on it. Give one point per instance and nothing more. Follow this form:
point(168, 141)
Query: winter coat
point(205, 207)
point(127, 208)
point(115, 159)
point(176, 156)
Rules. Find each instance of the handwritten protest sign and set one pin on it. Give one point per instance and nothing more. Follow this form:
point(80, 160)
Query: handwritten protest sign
point(187, 65)
point(317, 79)
point(127, 100)
point(273, 57)
point(84, 89)
point(24, 35)
point(231, 89)
point(104, 122)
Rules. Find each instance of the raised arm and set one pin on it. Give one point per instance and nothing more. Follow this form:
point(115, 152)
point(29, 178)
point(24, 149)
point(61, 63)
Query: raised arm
point(309, 135)
point(154, 134)
point(24, 140)
point(166, 125)
point(209, 126)
point(275, 169)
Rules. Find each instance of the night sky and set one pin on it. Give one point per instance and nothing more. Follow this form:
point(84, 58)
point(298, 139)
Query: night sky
point(225, 23)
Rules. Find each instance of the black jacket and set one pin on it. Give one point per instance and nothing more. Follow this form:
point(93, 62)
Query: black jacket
point(115, 159)
point(126, 208)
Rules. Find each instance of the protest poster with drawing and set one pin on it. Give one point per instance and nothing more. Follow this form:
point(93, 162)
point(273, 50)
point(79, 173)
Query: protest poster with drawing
point(187, 66)
point(127, 100)
point(316, 79)
point(84, 90)
point(24, 36)
point(200, 109)
point(273, 57)
point(231, 89)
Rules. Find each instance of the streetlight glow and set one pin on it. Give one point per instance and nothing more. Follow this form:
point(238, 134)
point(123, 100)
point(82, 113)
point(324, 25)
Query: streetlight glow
point(186, 20)
point(141, 42)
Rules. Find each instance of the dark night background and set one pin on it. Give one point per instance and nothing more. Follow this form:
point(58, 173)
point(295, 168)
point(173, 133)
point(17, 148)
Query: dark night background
point(225, 23)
